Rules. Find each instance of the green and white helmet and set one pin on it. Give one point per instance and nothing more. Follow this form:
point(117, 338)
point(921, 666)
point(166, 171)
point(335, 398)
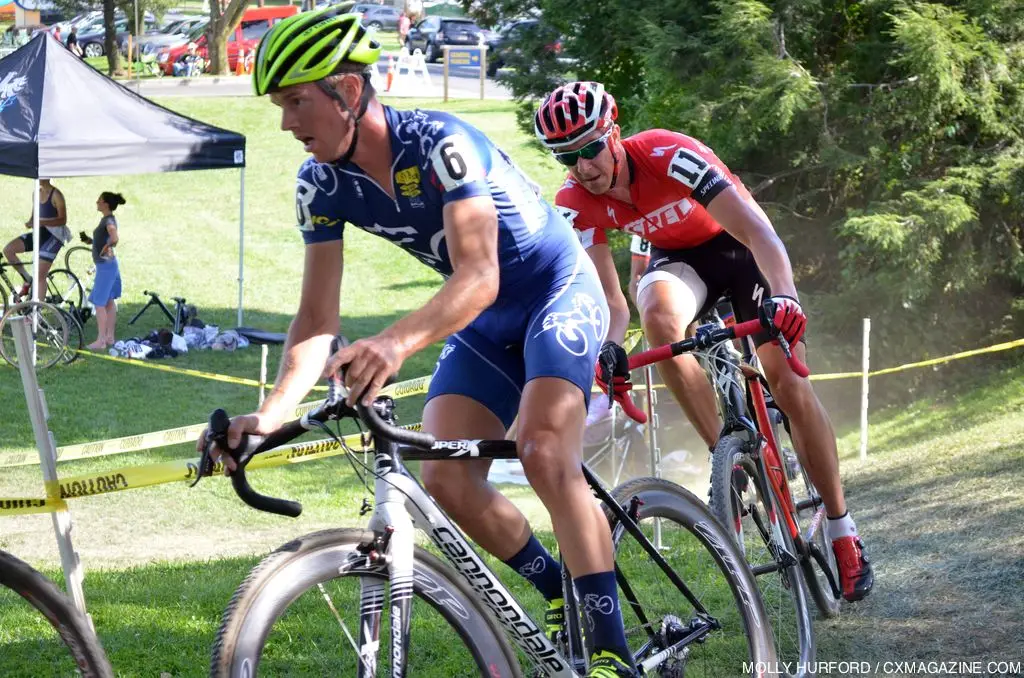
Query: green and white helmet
point(310, 46)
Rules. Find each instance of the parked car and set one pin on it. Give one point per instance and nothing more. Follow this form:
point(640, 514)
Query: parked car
point(173, 34)
point(254, 24)
point(381, 18)
point(361, 7)
point(509, 40)
point(431, 34)
point(92, 43)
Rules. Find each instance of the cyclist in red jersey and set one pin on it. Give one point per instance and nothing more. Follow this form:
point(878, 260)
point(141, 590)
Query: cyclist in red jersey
point(708, 237)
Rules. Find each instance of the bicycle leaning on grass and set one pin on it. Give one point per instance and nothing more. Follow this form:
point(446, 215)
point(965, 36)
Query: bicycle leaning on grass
point(782, 536)
point(689, 601)
point(84, 650)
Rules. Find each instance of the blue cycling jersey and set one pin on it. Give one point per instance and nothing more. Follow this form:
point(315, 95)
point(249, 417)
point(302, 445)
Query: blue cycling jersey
point(549, 318)
point(437, 159)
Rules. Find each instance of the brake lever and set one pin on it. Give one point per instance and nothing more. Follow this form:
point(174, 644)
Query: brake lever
point(205, 466)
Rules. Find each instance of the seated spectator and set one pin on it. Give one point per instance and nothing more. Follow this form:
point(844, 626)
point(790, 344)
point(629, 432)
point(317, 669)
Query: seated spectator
point(53, 233)
point(190, 64)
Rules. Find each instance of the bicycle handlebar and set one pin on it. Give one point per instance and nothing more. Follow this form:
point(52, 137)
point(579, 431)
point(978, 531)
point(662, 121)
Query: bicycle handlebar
point(333, 407)
point(704, 339)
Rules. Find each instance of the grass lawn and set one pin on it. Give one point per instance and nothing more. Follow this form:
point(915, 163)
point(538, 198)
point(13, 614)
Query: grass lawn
point(938, 501)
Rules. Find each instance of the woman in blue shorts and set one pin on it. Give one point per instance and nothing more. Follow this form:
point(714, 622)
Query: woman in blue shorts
point(107, 285)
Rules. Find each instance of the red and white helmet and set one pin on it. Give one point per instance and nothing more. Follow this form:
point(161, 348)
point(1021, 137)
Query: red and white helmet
point(573, 111)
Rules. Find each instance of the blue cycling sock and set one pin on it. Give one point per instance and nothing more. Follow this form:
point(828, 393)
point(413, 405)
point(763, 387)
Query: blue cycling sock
point(539, 568)
point(599, 601)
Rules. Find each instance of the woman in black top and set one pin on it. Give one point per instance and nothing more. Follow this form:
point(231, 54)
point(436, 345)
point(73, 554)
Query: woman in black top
point(106, 287)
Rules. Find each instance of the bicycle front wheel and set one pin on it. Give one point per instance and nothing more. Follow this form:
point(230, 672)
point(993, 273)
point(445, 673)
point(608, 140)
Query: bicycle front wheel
point(298, 613)
point(658, 616)
point(738, 503)
point(84, 651)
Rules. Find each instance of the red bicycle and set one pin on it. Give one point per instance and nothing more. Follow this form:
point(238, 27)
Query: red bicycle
point(759, 491)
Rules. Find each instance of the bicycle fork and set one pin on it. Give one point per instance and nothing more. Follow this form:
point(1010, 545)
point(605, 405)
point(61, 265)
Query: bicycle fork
point(393, 547)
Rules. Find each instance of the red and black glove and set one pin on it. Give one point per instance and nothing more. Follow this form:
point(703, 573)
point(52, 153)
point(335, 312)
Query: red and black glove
point(613, 368)
point(783, 313)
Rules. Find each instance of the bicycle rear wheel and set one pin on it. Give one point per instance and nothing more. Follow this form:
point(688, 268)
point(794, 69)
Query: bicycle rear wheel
point(49, 331)
point(737, 502)
point(298, 613)
point(76, 337)
point(64, 290)
point(657, 615)
point(84, 651)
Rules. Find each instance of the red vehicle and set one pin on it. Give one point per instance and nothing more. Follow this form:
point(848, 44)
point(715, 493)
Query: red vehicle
point(255, 22)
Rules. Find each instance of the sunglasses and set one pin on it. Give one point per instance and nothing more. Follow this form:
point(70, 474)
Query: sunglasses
point(588, 152)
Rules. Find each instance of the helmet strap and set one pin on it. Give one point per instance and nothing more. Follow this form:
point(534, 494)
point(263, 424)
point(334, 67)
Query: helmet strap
point(355, 117)
point(615, 169)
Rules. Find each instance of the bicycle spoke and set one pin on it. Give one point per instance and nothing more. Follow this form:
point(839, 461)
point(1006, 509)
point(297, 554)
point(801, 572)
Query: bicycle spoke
point(344, 628)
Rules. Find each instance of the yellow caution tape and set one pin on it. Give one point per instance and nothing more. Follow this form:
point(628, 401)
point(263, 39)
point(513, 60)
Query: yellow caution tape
point(174, 370)
point(160, 473)
point(142, 441)
point(16, 507)
point(1005, 346)
point(146, 441)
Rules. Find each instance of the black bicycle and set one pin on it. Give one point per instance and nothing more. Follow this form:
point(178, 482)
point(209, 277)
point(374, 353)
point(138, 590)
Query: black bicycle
point(85, 652)
point(325, 603)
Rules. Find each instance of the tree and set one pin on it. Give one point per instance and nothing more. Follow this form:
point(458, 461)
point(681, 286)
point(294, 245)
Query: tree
point(110, 39)
point(223, 20)
point(885, 138)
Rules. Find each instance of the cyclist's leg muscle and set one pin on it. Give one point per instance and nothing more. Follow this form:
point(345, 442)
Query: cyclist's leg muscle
point(474, 394)
point(813, 437)
point(550, 440)
point(669, 297)
point(561, 344)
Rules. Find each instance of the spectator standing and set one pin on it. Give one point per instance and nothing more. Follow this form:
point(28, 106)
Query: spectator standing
point(106, 288)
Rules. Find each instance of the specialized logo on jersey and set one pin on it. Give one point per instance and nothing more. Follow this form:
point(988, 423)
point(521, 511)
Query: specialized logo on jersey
point(408, 181)
point(651, 223)
point(611, 215)
point(571, 326)
point(660, 151)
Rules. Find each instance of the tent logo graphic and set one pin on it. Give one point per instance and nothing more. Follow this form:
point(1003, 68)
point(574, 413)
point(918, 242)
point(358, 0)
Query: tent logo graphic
point(9, 88)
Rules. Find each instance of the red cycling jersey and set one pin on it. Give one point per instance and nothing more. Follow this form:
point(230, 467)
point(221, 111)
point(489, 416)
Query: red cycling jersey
point(673, 178)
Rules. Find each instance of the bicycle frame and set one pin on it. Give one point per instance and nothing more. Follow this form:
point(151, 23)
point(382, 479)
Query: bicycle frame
point(402, 506)
point(735, 408)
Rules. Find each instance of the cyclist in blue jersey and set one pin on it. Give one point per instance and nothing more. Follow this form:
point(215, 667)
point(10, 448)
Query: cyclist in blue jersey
point(521, 307)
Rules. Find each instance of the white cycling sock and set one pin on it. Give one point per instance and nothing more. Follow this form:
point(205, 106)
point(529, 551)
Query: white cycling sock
point(843, 526)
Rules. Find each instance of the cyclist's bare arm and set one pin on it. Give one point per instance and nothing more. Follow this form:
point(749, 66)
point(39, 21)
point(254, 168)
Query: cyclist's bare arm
point(618, 308)
point(309, 335)
point(747, 222)
point(637, 266)
point(471, 232)
point(471, 235)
